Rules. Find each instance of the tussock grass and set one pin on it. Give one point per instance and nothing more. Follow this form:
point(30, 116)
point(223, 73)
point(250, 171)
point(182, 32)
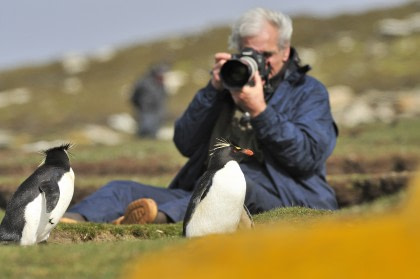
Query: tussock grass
point(290, 215)
point(84, 232)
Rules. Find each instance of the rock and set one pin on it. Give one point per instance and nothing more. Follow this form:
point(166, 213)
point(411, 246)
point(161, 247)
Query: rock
point(102, 135)
point(123, 122)
point(359, 112)
point(16, 96)
point(308, 55)
point(385, 113)
point(42, 145)
point(350, 109)
point(74, 63)
point(6, 139)
point(104, 54)
point(341, 96)
point(400, 27)
point(174, 80)
point(165, 133)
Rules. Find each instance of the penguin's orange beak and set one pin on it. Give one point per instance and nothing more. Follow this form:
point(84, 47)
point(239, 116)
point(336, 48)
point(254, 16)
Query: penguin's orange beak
point(248, 152)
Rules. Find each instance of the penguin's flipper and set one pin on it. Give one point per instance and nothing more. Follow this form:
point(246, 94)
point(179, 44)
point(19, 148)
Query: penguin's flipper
point(52, 193)
point(203, 186)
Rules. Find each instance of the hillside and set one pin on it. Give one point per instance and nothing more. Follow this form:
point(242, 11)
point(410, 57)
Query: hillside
point(56, 100)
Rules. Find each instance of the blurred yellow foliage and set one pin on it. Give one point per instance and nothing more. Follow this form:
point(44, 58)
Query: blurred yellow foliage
point(382, 247)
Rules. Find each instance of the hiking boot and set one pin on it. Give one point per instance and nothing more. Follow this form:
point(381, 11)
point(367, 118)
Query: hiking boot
point(141, 211)
point(72, 218)
point(65, 220)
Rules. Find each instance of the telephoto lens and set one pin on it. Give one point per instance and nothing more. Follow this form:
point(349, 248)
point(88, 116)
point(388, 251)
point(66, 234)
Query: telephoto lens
point(240, 70)
point(236, 73)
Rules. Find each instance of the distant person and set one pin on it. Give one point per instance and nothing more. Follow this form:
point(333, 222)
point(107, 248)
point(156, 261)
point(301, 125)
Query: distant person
point(281, 113)
point(149, 100)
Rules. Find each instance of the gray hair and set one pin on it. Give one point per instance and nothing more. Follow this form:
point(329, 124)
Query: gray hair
point(251, 22)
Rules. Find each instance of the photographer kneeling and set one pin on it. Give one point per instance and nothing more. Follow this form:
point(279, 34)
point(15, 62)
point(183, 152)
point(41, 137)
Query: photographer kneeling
point(260, 98)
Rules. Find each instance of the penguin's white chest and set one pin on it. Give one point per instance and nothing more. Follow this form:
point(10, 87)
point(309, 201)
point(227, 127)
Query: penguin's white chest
point(66, 186)
point(39, 223)
point(221, 208)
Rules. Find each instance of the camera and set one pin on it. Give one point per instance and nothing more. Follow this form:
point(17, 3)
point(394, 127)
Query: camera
point(240, 70)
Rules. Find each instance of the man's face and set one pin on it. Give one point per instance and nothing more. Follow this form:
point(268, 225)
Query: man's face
point(266, 43)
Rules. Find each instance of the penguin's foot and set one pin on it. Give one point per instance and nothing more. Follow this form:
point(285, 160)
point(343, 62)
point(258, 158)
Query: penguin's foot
point(141, 211)
point(246, 221)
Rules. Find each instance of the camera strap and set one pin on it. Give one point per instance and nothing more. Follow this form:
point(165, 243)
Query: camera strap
point(271, 85)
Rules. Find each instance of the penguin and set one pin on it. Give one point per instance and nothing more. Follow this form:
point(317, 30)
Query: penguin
point(217, 203)
point(40, 201)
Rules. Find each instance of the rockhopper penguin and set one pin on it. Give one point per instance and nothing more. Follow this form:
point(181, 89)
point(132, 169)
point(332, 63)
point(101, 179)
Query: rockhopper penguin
point(217, 202)
point(40, 201)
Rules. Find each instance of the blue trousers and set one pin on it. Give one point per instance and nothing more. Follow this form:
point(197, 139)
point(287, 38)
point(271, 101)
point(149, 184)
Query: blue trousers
point(110, 201)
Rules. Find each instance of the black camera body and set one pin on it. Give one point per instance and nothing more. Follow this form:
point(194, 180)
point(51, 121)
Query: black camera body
point(240, 70)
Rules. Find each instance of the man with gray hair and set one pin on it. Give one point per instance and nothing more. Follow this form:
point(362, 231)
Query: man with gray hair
point(281, 113)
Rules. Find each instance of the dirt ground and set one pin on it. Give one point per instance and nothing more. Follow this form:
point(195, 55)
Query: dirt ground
point(356, 180)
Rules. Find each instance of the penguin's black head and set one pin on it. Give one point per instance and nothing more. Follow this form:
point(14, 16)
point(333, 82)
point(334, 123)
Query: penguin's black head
point(58, 156)
point(224, 152)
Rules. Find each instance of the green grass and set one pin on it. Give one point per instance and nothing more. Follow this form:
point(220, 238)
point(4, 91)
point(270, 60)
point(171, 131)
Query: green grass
point(378, 139)
point(84, 232)
point(104, 251)
point(84, 260)
point(291, 215)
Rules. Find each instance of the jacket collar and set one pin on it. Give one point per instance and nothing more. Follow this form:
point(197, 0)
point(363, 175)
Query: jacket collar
point(294, 72)
point(291, 72)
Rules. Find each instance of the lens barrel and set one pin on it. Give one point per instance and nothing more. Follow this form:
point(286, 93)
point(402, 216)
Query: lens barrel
point(236, 73)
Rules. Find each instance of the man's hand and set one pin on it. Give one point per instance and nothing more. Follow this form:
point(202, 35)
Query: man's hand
point(251, 98)
point(219, 59)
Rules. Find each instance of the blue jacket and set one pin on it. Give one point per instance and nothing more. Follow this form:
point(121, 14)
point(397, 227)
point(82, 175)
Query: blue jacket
point(296, 133)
